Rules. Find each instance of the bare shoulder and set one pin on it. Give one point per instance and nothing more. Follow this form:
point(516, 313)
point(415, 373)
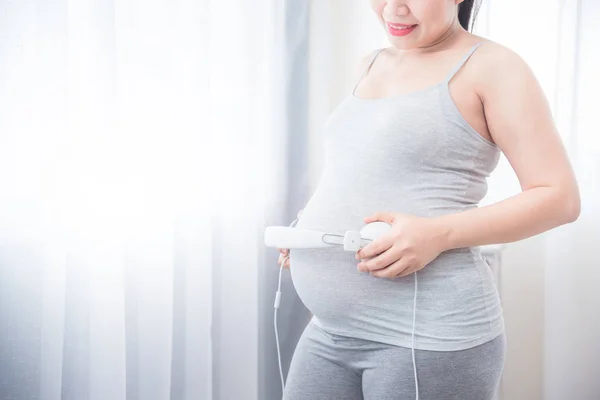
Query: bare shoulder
point(495, 65)
point(515, 106)
point(363, 63)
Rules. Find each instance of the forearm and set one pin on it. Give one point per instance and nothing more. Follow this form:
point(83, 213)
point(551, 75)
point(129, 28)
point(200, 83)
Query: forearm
point(526, 214)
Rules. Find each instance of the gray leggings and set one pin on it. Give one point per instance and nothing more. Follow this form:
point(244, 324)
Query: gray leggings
point(331, 367)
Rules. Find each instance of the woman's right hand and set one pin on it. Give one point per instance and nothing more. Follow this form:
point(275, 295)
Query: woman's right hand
point(286, 252)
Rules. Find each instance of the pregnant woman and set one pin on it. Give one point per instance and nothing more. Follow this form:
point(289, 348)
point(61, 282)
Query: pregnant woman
point(416, 314)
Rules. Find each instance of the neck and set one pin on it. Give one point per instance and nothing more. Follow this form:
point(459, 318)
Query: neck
point(446, 40)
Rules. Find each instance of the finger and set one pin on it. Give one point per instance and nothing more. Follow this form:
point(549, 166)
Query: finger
point(381, 261)
point(281, 260)
point(384, 216)
point(376, 247)
point(392, 271)
point(285, 260)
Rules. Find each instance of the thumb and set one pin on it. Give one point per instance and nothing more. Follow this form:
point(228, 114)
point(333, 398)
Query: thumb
point(380, 216)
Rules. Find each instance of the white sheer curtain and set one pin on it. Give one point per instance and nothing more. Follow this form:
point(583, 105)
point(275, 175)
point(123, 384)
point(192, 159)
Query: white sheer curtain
point(572, 349)
point(137, 149)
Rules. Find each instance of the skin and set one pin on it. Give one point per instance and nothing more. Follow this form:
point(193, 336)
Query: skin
point(286, 252)
point(499, 96)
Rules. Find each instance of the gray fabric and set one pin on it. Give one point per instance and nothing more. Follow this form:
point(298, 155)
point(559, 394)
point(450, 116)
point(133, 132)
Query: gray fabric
point(327, 366)
point(412, 154)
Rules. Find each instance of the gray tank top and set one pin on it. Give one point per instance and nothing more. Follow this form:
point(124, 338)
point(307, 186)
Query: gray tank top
point(414, 154)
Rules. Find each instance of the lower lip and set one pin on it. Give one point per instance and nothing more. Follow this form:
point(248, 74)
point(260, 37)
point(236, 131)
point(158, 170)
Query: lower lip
point(400, 32)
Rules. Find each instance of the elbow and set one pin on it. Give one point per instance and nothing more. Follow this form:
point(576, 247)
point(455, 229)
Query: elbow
point(572, 207)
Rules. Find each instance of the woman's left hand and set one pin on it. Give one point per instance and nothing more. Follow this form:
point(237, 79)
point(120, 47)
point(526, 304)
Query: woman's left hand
point(411, 244)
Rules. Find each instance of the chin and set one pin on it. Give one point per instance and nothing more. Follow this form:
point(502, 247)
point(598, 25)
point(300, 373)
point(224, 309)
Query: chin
point(402, 44)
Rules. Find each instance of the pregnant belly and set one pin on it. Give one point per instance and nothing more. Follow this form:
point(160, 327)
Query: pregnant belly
point(327, 279)
point(331, 287)
point(456, 295)
point(456, 300)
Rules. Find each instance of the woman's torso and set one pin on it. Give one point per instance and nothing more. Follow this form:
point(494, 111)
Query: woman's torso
point(416, 154)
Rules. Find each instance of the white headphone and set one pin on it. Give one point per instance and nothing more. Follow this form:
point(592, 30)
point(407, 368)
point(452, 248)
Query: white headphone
point(284, 237)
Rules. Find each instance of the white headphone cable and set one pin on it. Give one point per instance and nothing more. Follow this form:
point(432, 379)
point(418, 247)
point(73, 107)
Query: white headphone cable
point(413, 340)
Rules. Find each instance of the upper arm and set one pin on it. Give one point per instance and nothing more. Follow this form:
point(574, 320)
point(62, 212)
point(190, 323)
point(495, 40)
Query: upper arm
point(520, 121)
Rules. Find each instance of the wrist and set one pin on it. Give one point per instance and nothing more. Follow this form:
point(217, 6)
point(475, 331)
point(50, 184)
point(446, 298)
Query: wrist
point(443, 236)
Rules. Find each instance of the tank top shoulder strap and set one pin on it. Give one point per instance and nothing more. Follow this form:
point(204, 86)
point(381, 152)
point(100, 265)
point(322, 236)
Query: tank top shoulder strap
point(375, 54)
point(462, 62)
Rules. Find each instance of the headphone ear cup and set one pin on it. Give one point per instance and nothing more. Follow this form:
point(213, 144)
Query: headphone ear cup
point(375, 229)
